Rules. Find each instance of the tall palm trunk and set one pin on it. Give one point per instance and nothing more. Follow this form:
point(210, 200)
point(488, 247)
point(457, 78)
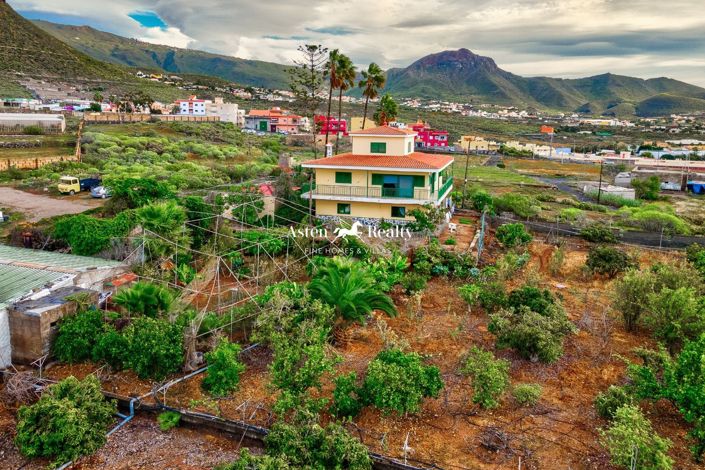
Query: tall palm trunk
point(364, 115)
point(330, 100)
point(340, 115)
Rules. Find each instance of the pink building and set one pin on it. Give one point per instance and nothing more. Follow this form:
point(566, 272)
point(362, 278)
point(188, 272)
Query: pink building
point(428, 137)
point(332, 126)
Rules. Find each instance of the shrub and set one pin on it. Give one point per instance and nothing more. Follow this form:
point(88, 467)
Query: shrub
point(155, 347)
point(248, 461)
point(346, 396)
point(490, 377)
point(112, 348)
point(168, 420)
point(511, 263)
point(450, 241)
point(572, 214)
point(536, 299)
point(647, 189)
point(609, 261)
point(397, 381)
point(533, 335)
point(511, 235)
point(632, 442)
point(520, 205)
point(77, 336)
point(674, 316)
point(493, 296)
point(527, 394)
point(224, 369)
point(33, 130)
point(598, 233)
point(69, 420)
point(470, 293)
point(608, 402)
point(413, 282)
point(696, 256)
point(481, 200)
point(145, 298)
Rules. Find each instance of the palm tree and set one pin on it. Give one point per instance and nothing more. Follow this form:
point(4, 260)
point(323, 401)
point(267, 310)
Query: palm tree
point(145, 298)
point(373, 80)
point(350, 289)
point(346, 72)
point(334, 79)
point(387, 111)
point(165, 223)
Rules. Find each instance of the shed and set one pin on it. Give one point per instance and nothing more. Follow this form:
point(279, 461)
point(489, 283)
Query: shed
point(16, 123)
point(623, 179)
point(626, 193)
point(33, 274)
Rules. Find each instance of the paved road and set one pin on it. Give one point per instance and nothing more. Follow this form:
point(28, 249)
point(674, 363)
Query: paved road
point(36, 207)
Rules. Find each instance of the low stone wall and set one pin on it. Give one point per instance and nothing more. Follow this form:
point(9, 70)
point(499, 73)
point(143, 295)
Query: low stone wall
point(33, 163)
point(119, 118)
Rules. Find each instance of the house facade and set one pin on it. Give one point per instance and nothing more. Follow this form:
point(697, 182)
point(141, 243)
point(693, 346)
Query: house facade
point(333, 126)
point(273, 120)
point(428, 137)
point(382, 178)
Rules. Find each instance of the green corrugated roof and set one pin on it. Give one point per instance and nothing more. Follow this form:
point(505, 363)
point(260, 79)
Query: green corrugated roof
point(52, 258)
point(16, 281)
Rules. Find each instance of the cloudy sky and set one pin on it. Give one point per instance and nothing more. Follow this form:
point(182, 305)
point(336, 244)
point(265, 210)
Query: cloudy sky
point(562, 38)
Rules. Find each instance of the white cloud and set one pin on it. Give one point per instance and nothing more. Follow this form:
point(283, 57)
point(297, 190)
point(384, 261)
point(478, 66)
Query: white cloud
point(565, 38)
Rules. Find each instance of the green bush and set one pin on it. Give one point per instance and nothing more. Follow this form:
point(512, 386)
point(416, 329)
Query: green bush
point(168, 420)
point(598, 233)
point(88, 235)
point(527, 394)
point(224, 369)
point(572, 214)
point(248, 461)
point(155, 347)
point(69, 420)
point(493, 296)
point(696, 256)
point(518, 204)
point(33, 130)
point(511, 235)
point(112, 348)
point(470, 293)
point(536, 299)
point(413, 282)
point(490, 377)
point(608, 402)
point(347, 402)
point(533, 335)
point(647, 189)
point(450, 241)
point(609, 261)
point(481, 200)
point(633, 443)
point(78, 335)
point(397, 381)
point(510, 263)
point(674, 316)
point(145, 298)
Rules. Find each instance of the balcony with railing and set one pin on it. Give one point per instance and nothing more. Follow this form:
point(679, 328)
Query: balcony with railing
point(378, 192)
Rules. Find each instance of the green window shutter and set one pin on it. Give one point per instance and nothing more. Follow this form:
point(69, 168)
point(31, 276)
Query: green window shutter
point(398, 211)
point(419, 181)
point(433, 182)
point(377, 180)
point(378, 147)
point(343, 177)
point(344, 209)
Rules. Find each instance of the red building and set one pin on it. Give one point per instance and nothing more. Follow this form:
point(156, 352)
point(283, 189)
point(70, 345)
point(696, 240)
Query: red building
point(428, 137)
point(333, 126)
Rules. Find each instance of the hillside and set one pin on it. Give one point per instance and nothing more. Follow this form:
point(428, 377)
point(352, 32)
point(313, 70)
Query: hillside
point(27, 49)
point(463, 75)
point(133, 53)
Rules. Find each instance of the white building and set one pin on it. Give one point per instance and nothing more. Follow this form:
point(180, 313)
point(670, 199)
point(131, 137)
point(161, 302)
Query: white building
point(192, 107)
point(228, 112)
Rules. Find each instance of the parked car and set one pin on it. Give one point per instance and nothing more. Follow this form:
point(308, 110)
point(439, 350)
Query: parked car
point(101, 192)
point(72, 185)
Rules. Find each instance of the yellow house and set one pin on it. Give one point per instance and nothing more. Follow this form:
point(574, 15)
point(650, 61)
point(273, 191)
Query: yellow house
point(477, 144)
point(382, 178)
point(356, 123)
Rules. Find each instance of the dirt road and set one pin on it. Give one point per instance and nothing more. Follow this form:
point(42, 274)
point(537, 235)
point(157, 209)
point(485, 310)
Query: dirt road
point(36, 207)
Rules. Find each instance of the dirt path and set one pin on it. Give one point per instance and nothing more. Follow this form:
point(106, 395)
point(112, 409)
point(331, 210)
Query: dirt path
point(36, 207)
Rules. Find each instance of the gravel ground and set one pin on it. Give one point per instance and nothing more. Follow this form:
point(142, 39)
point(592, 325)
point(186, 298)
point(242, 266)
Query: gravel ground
point(38, 206)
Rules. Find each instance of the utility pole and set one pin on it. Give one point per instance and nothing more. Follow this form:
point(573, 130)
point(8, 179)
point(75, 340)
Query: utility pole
point(599, 187)
point(465, 183)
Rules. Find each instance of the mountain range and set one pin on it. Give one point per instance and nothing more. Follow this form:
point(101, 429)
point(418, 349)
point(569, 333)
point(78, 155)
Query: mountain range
point(46, 48)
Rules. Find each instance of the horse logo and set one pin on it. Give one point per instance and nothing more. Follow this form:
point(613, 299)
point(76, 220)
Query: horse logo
point(344, 232)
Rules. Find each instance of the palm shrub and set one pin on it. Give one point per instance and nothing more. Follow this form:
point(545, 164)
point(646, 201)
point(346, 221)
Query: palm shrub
point(535, 336)
point(398, 381)
point(511, 235)
point(350, 289)
point(224, 369)
point(633, 443)
point(490, 377)
point(145, 298)
point(609, 261)
point(164, 224)
point(69, 420)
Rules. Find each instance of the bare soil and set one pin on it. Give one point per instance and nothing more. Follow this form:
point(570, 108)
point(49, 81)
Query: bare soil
point(36, 207)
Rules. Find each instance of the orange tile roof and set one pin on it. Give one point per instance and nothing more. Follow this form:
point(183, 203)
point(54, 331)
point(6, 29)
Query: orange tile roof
point(268, 113)
point(413, 161)
point(384, 130)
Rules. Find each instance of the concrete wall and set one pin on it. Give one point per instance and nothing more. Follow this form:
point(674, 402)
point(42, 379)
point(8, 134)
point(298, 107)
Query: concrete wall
point(395, 145)
point(33, 163)
point(5, 345)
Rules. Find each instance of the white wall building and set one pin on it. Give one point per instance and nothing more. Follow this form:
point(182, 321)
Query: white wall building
point(228, 112)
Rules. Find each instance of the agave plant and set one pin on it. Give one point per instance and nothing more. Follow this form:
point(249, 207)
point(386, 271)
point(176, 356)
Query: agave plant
point(145, 298)
point(350, 289)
